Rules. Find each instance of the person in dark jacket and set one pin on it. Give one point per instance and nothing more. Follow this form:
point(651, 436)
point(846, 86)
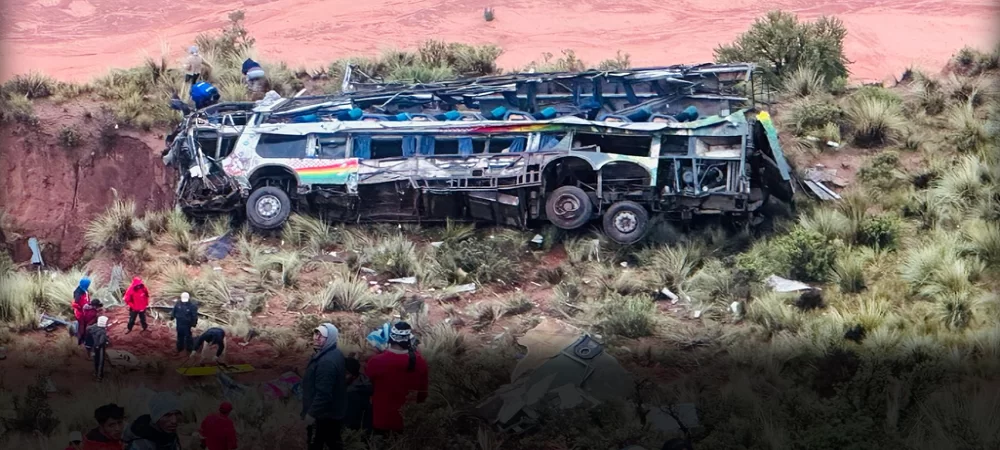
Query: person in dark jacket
point(185, 315)
point(324, 396)
point(359, 393)
point(99, 338)
point(158, 429)
point(137, 299)
point(215, 336)
point(108, 434)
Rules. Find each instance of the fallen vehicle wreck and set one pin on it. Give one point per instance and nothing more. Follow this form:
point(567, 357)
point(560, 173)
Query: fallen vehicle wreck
point(566, 148)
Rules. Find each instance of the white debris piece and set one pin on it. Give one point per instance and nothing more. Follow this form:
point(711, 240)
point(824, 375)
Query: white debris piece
point(697, 314)
point(368, 271)
point(832, 144)
point(669, 294)
point(779, 284)
point(538, 239)
point(737, 309)
point(437, 244)
point(404, 280)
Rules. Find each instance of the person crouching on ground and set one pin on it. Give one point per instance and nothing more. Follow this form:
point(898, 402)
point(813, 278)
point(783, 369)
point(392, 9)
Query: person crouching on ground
point(137, 299)
point(218, 431)
point(359, 393)
point(185, 313)
point(99, 340)
point(395, 373)
point(214, 336)
point(108, 434)
point(324, 396)
point(158, 429)
point(89, 317)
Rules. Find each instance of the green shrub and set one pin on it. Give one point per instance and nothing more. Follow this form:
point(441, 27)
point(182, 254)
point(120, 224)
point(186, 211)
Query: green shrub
point(881, 171)
point(779, 44)
point(875, 121)
point(803, 254)
point(483, 259)
point(31, 85)
point(69, 137)
point(881, 232)
point(803, 82)
point(968, 133)
point(876, 92)
point(628, 316)
point(16, 108)
point(621, 61)
point(114, 228)
point(849, 272)
point(813, 113)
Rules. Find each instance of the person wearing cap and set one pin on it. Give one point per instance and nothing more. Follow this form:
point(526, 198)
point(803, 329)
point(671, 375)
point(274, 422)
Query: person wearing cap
point(394, 374)
point(99, 343)
point(185, 315)
point(158, 429)
point(137, 299)
point(108, 434)
point(213, 336)
point(75, 441)
point(324, 391)
point(218, 431)
point(192, 65)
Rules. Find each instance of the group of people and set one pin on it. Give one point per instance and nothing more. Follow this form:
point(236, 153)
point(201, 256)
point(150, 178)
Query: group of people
point(91, 324)
point(203, 93)
point(336, 393)
point(154, 431)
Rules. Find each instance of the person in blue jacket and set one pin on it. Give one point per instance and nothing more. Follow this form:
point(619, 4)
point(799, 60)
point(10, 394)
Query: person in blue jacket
point(204, 94)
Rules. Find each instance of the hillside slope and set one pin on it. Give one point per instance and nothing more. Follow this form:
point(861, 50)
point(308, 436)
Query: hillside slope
point(60, 173)
point(78, 39)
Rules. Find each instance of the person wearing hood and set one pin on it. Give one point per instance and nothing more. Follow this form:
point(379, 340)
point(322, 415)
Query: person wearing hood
point(217, 431)
point(108, 434)
point(185, 315)
point(158, 429)
point(255, 74)
point(359, 394)
point(81, 297)
point(100, 342)
point(324, 396)
point(213, 336)
point(137, 299)
point(192, 65)
point(394, 374)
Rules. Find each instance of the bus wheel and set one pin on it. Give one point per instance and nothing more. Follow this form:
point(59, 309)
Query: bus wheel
point(626, 222)
point(568, 207)
point(268, 207)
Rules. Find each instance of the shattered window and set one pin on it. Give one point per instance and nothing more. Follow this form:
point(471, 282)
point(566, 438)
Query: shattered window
point(618, 144)
point(549, 141)
point(387, 147)
point(281, 146)
point(510, 144)
point(674, 145)
point(331, 147)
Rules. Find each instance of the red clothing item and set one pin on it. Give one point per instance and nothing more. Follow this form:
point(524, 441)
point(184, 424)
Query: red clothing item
point(137, 296)
point(392, 384)
point(218, 432)
point(94, 440)
point(79, 303)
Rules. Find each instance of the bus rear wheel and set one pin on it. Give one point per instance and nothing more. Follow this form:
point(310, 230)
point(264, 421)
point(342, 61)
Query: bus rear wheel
point(626, 222)
point(568, 207)
point(268, 207)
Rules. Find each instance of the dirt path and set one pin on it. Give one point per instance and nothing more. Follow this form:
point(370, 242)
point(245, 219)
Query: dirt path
point(77, 39)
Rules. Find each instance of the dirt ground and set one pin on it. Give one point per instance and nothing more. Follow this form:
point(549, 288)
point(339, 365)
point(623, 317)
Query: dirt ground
point(78, 39)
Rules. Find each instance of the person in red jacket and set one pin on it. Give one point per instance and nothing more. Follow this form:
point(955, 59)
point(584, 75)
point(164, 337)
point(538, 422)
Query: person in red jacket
point(218, 431)
point(80, 297)
point(108, 434)
point(137, 299)
point(394, 374)
point(89, 317)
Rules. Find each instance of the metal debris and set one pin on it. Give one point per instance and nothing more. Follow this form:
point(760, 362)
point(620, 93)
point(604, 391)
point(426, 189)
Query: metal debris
point(368, 271)
point(404, 280)
point(36, 252)
point(779, 284)
point(669, 294)
point(538, 239)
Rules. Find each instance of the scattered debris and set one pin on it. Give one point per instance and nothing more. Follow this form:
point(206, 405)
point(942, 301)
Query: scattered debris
point(669, 294)
point(50, 323)
point(565, 367)
point(288, 384)
point(121, 358)
point(779, 284)
point(697, 314)
point(816, 179)
point(437, 244)
point(404, 280)
point(738, 309)
point(809, 300)
point(538, 240)
point(221, 247)
point(368, 271)
point(36, 253)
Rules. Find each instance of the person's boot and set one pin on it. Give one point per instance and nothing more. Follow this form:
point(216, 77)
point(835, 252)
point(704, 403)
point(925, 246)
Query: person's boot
point(128, 331)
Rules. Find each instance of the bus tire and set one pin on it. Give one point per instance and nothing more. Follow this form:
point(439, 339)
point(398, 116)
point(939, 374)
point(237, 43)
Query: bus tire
point(568, 207)
point(268, 208)
point(626, 222)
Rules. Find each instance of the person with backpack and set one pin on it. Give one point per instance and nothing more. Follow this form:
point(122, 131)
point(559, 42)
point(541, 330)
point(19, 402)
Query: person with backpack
point(89, 317)
point(99, 343)
point(185, 315)
point(359, 396)
point(137, 299)
point(324, 394)
point(255, 75)
point(394, 374)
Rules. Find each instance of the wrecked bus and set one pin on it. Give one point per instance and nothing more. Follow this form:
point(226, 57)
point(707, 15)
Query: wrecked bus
point(568, 149)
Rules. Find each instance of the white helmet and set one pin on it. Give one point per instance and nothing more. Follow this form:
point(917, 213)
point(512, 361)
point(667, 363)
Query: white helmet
point(185, 297)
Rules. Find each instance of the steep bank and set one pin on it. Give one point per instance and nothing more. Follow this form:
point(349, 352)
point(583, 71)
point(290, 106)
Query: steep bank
point(64, 169)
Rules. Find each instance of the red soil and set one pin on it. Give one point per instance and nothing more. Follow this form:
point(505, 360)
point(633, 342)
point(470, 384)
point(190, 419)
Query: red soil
point(77, 39)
